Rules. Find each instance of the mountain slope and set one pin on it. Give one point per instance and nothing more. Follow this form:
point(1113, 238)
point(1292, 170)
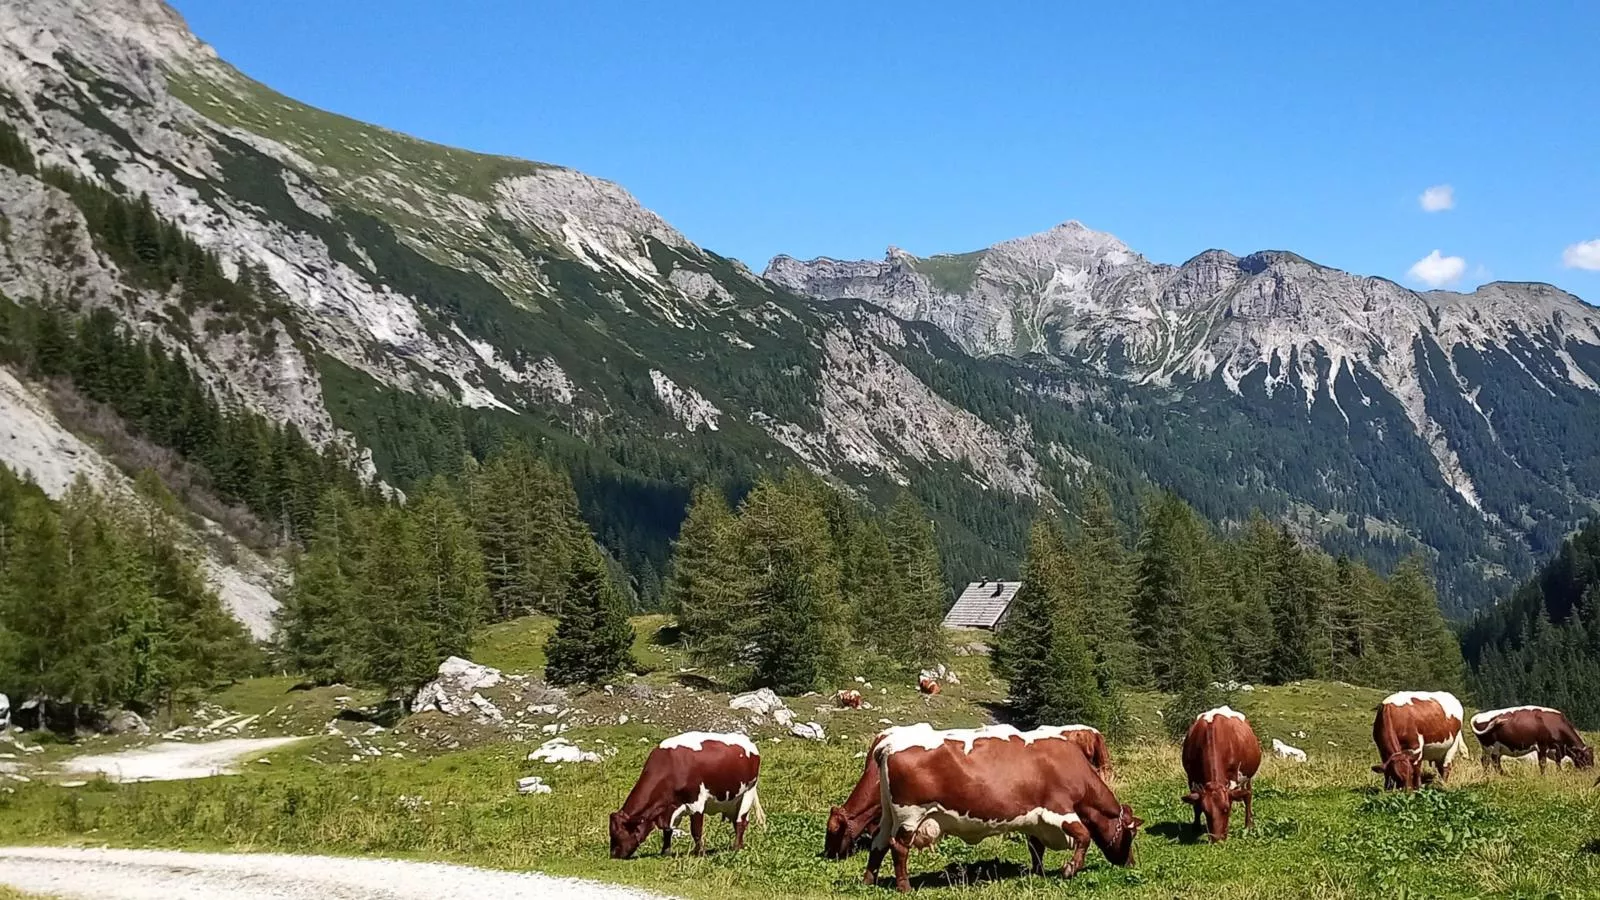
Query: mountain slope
point(419, 304)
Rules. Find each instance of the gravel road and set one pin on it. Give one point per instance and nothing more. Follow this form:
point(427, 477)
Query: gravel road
point(104, 874)
point(173, 760)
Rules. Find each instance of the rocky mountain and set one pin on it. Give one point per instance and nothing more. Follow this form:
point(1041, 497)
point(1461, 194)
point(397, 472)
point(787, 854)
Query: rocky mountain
point(418, 304)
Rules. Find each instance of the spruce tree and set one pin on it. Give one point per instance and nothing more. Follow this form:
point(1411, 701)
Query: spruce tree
point(1040, 649)
point(1104, 585)
point(877, 597)
point(706, 587)
point(397, 647)
point(593, 641)
point(796, 631)
point(920, 577)
point(1176, 594)
point(458, 593)
point(1429, 647)
point(319, 622)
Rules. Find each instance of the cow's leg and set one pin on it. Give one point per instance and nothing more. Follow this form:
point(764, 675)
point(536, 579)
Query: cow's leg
point(900, 846)
point(1035, 855)
point(1079, 835)
point(1540, 752)
point(697, 828)
point(1249, 804)
point(666, 839)
point(880, 846)
point(738, 832)
point(1197, 823)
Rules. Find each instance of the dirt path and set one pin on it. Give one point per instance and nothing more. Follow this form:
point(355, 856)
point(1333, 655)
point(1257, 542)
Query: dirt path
point(173, 761)
point(170, 875)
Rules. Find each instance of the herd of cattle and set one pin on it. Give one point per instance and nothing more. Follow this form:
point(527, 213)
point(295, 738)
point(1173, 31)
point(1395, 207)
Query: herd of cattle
point(1049, 784)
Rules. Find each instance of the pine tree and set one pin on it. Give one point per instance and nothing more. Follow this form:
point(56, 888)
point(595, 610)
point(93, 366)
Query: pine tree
point(920, 575)
point(1040, 649)
point(398, 650)
point(319, 622)
point(1251, 634)
point(1176, 595)
point(458, 593)
point(796, 629)
point(878, 599)
point(1104, 584)
point(593, 641)
point(1429, 647)
point(707, 584)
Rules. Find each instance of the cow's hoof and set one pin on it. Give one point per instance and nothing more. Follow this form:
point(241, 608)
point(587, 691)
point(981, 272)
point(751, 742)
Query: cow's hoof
point(869, 878)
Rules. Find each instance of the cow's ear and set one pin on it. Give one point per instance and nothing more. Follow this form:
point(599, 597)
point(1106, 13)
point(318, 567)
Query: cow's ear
point(1191, 797)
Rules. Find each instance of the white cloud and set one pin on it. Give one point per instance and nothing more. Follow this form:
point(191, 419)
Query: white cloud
point(1438, 198)
point(1582, 255)
point(1436, 271)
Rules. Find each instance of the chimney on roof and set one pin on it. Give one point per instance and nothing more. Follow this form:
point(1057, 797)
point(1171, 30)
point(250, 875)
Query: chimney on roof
point(999, 587)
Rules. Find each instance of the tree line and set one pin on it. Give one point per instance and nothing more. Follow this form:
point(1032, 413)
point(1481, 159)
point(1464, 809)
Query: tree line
point(1185, 608)
point(102, 605)
point(1542, 645)
point(384, 591)
point(799, 582)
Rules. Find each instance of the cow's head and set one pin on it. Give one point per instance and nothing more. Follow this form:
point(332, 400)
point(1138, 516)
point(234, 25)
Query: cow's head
point(1583, 757)
point(1118, 847)
point(842, 835)
point(1400, 771)
point(1216, 800)
point(627, 834)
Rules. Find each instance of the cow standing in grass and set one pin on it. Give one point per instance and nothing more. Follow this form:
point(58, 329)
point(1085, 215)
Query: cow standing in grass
point(1221, 755)
point(1413, 727)
point(976, 783)
point(857, 820)
point(1521, 730)
point(692, 773)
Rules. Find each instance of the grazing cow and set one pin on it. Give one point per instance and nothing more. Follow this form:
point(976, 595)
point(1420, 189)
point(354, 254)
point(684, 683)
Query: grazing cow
point(857, 820)
point(1220, 755)
point(1413, 727)
point(848, 699)
point(692, 773)
point(927, 685)
point(975, 783)
point(1521, 730)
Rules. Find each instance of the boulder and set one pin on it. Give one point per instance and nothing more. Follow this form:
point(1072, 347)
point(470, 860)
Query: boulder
point(533, 784)
point(126, 721)
point(811, 731)
point(1284, 751)
point(5, 712)
point(561, 750)
point(761, 702)
point(455, 691)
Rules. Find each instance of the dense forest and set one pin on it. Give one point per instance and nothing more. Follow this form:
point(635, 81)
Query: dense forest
point(1542, 645)
point(102, 605)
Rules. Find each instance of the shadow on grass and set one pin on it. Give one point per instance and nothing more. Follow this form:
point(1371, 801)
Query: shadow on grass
point(1181, 832)
point(998, 711)
point(667, 636)
point(960, 874)
point(1592, 847)
point(698, 682)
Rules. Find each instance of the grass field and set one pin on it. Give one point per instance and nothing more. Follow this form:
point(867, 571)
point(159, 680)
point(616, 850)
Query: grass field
point(1322, 829)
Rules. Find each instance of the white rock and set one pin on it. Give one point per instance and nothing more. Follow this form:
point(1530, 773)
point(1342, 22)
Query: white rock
point(455, 688)
point(760, 702)
point(560, 750)
point(533, 784)
point(127, 722)
point(811, 731)
point(1284, 751)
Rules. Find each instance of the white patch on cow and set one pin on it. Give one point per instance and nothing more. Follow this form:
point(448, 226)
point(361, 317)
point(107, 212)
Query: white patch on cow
point(1211, 714)
point(1482, 721)
point(731, 808)
point(1447, 701)
point(695, 740)
point(925, 737)
point(930, 823)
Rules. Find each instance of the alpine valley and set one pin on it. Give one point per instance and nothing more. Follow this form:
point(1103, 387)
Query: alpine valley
point(412, 305)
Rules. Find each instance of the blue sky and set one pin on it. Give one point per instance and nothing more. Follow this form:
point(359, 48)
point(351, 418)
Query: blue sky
point(840, 128)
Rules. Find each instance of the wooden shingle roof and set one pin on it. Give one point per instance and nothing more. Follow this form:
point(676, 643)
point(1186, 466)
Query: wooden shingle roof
point(982, 605)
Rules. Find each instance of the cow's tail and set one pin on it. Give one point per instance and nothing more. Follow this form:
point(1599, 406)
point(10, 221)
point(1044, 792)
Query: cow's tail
point(880, 758)
point(757, 814)
point(1481, 724)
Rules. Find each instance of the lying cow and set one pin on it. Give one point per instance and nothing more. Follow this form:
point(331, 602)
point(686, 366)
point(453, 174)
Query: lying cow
point(857, 820)
point(1521, 730)
point(692, 773)
point(976, 783)
point(1220, 756)
point(1414, 727)
point(927, 685)
point(848, 699)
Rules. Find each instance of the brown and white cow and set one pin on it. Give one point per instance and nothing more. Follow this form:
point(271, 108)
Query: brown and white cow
point(976, 783)
point(848, 699)
point(692, 773)
point(1413, 727)
point(1220, 756)
point(1521, 730)
point(927, 685)
point(857, 820)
